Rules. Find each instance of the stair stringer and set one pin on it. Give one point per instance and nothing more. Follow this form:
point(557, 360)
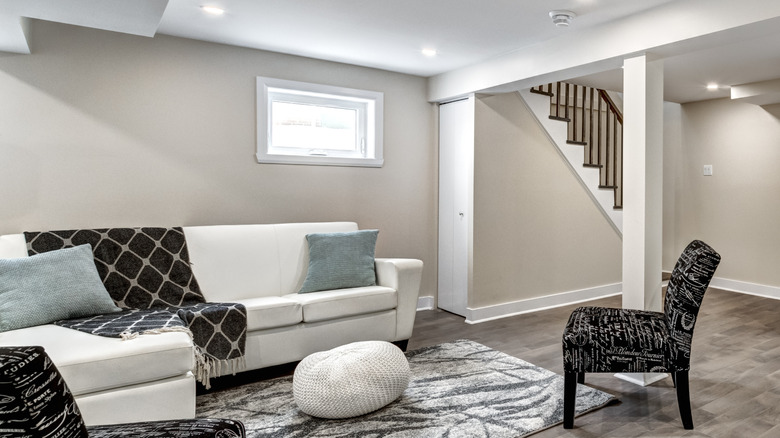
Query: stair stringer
point(557, 131)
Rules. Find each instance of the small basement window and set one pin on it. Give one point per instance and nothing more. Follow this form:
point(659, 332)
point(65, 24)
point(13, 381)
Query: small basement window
point(304, 123)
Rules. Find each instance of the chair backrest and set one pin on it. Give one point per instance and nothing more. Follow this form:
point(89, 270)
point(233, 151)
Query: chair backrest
point(34, 399)
point(684, 294)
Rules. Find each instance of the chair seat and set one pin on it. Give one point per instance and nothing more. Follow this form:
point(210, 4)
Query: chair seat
point(606, 340)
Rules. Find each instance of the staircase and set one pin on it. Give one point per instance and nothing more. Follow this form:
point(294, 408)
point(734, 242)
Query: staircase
point(594, 122)
point(591, 138)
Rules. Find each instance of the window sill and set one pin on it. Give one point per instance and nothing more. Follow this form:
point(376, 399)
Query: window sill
point(319, 161)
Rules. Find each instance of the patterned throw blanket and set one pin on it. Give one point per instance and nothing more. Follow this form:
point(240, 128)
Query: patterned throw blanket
point(147, 273)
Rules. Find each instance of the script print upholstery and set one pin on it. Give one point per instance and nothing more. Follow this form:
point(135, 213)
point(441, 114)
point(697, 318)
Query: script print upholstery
point(34, 399)
point(684, 295)
point(624, 340)
point(199, 428)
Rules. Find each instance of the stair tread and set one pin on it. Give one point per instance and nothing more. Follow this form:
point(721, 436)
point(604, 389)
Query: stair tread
point(545, 93)
point(580, 143)
point(561, 119)
point(599, 166)
point(607, 187)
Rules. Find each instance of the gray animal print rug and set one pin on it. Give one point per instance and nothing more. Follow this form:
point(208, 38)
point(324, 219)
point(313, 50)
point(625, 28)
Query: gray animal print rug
point(460, 389)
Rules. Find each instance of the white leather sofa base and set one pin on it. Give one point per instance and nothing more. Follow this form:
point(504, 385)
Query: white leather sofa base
point(167, 399)
point(265, 348)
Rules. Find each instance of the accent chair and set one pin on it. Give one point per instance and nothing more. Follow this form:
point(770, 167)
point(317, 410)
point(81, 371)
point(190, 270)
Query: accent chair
point(606, 340)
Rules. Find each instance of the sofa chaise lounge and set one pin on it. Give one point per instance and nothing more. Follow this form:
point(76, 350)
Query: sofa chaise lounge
point(262, 267)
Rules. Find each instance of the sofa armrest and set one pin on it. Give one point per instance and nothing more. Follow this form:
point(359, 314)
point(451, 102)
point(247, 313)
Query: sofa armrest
point(403, 275)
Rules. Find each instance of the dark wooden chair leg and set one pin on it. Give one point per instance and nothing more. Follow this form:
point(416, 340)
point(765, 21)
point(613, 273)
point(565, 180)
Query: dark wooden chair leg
point(683, 398)
point(674, 379)
point(569, 396)
point(581, 378)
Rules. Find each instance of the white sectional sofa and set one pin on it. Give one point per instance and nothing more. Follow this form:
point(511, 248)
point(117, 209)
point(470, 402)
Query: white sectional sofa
point(261, 266)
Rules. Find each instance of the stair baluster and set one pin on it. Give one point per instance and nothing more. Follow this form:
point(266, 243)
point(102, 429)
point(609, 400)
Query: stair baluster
point(599, 128)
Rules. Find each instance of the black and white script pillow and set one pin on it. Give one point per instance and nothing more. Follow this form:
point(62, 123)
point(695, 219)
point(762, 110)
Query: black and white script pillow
point(34, 399)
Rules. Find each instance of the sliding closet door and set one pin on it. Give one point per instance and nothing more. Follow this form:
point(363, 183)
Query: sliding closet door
point(456, 183)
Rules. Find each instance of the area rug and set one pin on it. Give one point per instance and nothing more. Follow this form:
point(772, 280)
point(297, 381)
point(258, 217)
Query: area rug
point(458, 389)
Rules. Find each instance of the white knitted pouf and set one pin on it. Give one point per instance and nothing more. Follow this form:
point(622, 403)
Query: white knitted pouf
point(350, 380)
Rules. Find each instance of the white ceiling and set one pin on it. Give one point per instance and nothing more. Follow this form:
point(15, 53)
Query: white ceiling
point(389, 34)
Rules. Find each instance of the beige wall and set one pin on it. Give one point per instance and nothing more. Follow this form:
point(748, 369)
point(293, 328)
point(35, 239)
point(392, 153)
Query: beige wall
point(736, 210)
point(536, 230)
point(103, 129)
point(673, 145)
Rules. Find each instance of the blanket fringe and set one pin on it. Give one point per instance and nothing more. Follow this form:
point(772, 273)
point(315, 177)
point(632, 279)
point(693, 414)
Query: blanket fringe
point(207, 366)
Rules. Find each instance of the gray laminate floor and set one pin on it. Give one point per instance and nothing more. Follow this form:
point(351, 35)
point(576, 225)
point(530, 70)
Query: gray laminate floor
point(735, 368)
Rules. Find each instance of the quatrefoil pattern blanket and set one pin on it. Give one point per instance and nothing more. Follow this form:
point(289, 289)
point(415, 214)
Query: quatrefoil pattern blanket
point(147, 273)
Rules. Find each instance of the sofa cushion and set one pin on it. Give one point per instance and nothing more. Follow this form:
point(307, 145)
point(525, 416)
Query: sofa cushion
point(13, 246)
point(270, 312)
point(325, 305)
point(340, 260)
point(234, 262)
point(44, 288)
point(90, 363)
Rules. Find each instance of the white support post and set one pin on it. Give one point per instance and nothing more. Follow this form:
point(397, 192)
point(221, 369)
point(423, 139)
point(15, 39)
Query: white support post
point(643, 80)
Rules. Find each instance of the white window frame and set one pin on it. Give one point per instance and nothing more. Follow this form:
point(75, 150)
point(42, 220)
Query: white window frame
point(368, 104)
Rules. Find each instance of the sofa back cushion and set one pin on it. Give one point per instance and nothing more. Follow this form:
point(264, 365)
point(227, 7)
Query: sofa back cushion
point(235, 262)
point(13, 246)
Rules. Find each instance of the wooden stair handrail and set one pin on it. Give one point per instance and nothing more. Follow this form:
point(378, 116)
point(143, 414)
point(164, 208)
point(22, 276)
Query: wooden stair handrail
point(604, 95)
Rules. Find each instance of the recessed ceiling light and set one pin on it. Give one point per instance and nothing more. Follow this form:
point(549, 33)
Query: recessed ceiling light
point(712, 87)
point(429, 52)
point(213, 10)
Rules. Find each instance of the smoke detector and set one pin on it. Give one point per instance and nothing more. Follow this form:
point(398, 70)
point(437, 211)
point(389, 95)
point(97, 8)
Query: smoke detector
point(562, 18)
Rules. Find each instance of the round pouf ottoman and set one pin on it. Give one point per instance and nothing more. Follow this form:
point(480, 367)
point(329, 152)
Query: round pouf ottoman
point(350, 380)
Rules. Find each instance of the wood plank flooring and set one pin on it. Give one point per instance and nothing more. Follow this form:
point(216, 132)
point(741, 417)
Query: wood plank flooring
point(734, 378)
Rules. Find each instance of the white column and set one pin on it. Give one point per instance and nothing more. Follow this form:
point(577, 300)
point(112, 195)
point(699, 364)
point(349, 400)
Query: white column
point(642, 182)
point(643, 80)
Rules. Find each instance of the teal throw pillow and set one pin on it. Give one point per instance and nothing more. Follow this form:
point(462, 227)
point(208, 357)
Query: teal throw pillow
point(340, 260)
point(47, 287)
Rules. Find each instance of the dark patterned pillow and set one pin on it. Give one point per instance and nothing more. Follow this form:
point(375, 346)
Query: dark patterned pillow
point(34, 399)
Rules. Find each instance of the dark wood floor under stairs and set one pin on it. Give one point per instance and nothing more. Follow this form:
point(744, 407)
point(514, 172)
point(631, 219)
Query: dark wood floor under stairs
point(735, 368)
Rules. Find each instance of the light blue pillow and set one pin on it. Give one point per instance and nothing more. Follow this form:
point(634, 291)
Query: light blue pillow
point(340, 260)
point(47, 287)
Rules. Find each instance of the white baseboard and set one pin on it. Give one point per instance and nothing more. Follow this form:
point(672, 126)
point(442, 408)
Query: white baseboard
point(487, 313)
point(745, 287)
point(424, 303)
